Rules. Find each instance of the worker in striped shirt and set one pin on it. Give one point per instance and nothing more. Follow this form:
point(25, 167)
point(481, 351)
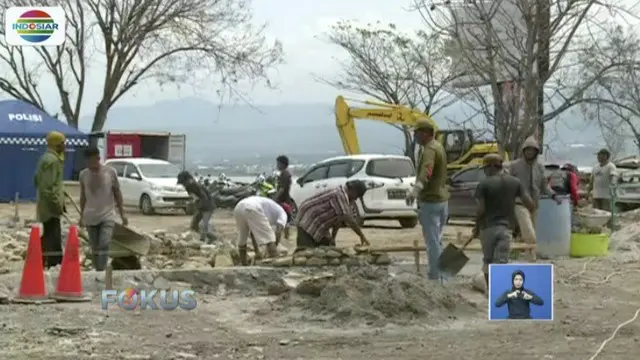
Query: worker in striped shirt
point(321, 216)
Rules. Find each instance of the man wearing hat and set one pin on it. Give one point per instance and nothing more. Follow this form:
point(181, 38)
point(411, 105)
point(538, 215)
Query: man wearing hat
point(49, 185)
point(496, 195)
point(603, 176)
point(430, 189)
point(321, 216)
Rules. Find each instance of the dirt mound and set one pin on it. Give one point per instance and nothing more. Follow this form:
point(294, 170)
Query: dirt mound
point(373, 296)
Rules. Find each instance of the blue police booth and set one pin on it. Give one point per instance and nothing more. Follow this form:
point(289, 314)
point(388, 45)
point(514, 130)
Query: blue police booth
point(23, 131)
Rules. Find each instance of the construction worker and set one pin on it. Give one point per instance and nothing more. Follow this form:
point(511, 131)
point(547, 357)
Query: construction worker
point(603, 176)
point(321, 216)
point(284, 187)
point(50, 197)
point(200, 222)
point(431, 191)
point(572, 185)
point(496, 196)
point(100, 196)
point(264, 220)
point(531, 174)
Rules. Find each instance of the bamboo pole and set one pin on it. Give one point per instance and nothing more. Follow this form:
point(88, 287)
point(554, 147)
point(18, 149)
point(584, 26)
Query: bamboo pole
point(416, 256)
point(418, 248)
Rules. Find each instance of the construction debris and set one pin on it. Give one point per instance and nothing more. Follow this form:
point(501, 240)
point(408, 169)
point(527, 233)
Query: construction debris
point(168, 250)
point(328, 256)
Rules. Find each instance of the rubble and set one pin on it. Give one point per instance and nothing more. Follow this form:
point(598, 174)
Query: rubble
point(13, 246)
point(328, 256)
point(168, 250)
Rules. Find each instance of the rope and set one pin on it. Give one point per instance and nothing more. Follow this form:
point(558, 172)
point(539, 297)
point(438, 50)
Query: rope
point(615, 332)
point(621, 325)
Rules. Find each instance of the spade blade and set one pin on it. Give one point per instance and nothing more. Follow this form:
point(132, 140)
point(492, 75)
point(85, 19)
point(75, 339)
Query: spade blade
point(452, 260)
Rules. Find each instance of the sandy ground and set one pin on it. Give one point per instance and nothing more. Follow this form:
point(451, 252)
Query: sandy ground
point(587, 311)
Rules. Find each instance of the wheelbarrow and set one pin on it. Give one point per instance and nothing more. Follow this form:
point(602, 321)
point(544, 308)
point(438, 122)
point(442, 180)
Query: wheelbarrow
point(125, 246)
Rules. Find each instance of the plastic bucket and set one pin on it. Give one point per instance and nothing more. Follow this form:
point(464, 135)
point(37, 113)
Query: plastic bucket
point(585, 245)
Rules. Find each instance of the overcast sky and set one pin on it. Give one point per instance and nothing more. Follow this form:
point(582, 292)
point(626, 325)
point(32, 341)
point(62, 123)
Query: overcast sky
point(299, 25)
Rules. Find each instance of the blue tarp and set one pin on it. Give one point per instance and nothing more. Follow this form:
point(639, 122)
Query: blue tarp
point(23, 128)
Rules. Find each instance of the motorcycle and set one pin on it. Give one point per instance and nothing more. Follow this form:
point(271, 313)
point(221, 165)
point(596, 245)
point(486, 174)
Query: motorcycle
point(227, 193)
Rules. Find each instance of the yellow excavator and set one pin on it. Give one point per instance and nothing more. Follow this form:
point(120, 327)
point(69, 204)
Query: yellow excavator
point(461, 147)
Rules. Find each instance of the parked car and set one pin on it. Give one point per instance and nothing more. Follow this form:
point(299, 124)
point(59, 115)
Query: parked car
point(462, 187)
point(389, 177)
point(150, 184)
point(628, 192)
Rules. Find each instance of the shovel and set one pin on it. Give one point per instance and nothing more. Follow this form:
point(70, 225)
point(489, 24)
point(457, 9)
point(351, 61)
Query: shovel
point(125, 241)
point(453, 259)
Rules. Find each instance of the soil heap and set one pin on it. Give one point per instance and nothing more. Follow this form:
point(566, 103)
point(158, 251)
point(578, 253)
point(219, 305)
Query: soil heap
point(624, 243)
point(373, 296)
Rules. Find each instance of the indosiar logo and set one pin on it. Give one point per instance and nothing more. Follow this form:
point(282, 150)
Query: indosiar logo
point(42, 26)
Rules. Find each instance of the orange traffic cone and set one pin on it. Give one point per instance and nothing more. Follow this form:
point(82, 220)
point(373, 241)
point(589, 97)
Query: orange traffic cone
point(32, 286)
point(69, 286)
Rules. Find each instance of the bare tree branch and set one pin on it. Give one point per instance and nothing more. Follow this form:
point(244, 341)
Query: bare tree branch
point(618, 92)
point(524, 52)
point(168, 41)
point(390, 66)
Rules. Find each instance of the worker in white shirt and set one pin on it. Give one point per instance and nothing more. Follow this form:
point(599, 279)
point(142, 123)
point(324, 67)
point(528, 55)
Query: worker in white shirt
point(603, 177)
point(262, 218)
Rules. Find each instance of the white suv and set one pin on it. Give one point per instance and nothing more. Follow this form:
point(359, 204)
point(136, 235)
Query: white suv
point(150, 184)
point(390, 176)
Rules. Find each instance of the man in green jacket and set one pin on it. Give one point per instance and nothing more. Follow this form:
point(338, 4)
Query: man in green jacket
point(50, 198)
point(431, 191)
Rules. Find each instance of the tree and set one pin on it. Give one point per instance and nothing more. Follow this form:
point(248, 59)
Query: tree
point(171, 42)
point(389, 66)
point(523, 51)
point(618, 92)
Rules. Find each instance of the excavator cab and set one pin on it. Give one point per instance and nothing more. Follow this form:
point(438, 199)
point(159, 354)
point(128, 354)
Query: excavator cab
point(456, 143)
point(463, 149)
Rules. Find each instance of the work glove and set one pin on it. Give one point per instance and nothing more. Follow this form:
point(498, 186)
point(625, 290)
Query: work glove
point(413, 193)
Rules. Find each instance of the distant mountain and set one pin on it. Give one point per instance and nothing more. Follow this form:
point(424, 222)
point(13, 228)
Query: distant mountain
point(240, 131)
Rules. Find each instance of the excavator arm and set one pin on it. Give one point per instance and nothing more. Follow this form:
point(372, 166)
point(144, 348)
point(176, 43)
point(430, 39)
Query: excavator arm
point(459, 144)
point(388, 113)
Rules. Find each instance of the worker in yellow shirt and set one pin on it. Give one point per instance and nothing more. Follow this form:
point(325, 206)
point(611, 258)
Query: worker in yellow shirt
point(50, 197)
